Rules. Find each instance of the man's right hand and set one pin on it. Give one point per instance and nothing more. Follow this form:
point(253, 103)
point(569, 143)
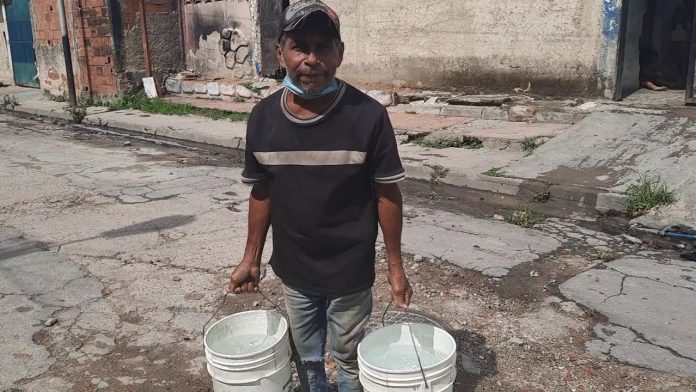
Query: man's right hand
point(245, 278)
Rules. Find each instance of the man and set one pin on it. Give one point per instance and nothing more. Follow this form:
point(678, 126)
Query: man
point(323, 161)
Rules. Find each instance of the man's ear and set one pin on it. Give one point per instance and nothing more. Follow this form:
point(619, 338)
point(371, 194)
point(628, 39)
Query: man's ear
point(279, 55)
point(341, 49)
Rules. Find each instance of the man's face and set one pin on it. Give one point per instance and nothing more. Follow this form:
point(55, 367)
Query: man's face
point(311, 56)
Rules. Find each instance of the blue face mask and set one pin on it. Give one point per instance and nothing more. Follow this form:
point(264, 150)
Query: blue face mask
point(290, 84)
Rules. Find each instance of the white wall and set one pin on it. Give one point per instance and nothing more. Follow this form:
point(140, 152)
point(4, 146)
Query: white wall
point(502, 44)
point(6, 75)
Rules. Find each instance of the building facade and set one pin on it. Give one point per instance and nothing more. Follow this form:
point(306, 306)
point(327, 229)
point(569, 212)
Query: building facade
point(559, 47)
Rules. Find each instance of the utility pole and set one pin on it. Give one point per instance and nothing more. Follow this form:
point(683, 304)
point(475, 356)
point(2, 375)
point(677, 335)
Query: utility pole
point(146, 45)
point(143, 34)
point(67, 54)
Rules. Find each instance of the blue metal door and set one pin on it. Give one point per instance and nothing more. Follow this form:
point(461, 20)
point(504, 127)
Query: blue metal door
point(21, 43)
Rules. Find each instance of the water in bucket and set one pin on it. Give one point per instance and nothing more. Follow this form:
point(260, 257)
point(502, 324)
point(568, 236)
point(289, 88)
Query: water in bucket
point(388, 360)
point(249, 352)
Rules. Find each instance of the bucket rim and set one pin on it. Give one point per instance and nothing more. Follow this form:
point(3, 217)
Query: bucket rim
point(283, 324)
point(448, 358)
point(246, 381)
point(414, 377)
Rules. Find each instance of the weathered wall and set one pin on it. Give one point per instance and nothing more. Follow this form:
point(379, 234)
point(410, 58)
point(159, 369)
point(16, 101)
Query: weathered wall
point(204, 24)
point(90, 37)
point(555, 45)
point(164, 38)
point(6, 75)
point(50, 64)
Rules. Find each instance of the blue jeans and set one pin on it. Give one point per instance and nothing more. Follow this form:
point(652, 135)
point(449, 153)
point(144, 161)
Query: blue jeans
point(311, 316)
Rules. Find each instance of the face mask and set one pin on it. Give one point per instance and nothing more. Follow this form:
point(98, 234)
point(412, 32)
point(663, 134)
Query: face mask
point(290, 84)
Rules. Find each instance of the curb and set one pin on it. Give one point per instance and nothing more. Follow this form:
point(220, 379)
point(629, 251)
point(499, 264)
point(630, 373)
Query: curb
point(575, 197)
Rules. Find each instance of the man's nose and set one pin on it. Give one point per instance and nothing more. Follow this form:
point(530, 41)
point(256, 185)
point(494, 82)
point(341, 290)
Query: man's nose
point(311, 59)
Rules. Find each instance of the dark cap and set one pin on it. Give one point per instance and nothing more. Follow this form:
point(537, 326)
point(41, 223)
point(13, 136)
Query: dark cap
point(297, 12)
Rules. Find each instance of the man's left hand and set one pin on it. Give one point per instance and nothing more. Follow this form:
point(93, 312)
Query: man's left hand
point(400, 287)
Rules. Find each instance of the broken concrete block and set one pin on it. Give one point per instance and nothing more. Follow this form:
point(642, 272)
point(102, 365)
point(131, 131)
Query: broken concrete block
point(494, 113)
point(213, 89)
point(522, 113)
point(229, 90)
point(462, 111)
point(555, 117)
point(188, 86)
point(173, 85)
point(200, 88)
point(384, 98)
point(480, 100)
point(244, 92)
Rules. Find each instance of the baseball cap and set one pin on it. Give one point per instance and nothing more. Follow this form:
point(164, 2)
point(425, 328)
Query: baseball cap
point(297, 12)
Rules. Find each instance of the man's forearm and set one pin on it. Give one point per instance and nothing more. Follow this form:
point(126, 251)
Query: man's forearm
point(259, 222)
point(389, 210)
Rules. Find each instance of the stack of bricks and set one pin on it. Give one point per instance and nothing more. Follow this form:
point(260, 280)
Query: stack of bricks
point(95, 47)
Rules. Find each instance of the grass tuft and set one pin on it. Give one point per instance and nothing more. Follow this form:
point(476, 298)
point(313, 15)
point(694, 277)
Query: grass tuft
point(529, 144)
point(524, 217)
point(160, 106)
point(494, 172)
point(648, 193)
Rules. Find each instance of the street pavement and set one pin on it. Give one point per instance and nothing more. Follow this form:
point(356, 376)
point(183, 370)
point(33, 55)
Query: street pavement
point(128, 245)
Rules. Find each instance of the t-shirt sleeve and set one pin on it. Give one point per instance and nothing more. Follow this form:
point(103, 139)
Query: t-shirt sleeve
point(385, 161)
point(253, 172)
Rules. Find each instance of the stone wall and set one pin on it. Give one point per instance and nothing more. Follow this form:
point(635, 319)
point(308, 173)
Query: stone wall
point(553, 46)
point(204, 23)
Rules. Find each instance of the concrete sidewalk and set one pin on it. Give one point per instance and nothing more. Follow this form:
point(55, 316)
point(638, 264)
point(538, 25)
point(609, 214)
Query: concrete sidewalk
point(590, 163)
point(453, 166)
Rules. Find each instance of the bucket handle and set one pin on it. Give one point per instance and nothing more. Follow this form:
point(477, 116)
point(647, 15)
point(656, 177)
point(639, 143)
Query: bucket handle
point(413, 341)
point(224, 299)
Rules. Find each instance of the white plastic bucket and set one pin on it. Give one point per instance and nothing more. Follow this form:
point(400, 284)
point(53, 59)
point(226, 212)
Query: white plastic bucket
point(388, 361)
point(249, 352)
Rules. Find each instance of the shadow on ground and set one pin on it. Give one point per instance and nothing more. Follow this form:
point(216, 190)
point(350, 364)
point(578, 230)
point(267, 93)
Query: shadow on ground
point(20, 247)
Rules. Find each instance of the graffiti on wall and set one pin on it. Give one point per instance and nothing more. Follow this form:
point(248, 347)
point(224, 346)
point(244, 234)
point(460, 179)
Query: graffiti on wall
point(217, 39)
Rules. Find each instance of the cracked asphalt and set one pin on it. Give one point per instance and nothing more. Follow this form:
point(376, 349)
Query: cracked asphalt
point(114, 253)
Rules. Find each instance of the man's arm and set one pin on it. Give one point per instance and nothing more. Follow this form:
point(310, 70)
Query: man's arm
point(245, 278)
point(389, 209)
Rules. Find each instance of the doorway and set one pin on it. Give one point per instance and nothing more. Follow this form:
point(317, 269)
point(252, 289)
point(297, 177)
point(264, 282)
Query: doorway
point(657, 40)
point(21, 39)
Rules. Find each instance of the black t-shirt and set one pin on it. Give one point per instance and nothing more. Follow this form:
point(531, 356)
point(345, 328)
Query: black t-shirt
point(321, 173)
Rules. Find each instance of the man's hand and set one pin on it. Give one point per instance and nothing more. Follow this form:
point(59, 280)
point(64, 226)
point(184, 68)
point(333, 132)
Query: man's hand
point(400, 287)
point(245, 278)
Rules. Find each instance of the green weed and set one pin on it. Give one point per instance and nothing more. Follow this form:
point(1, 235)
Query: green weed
point(524, 217)
point(494, 172)
point(648, 193)
point(543, 196)
point(529, 144)
point(161, 106)
point(9, 101)
point(78, 114)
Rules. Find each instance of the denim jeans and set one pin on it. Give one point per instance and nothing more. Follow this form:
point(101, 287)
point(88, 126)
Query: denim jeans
point(311, 316)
